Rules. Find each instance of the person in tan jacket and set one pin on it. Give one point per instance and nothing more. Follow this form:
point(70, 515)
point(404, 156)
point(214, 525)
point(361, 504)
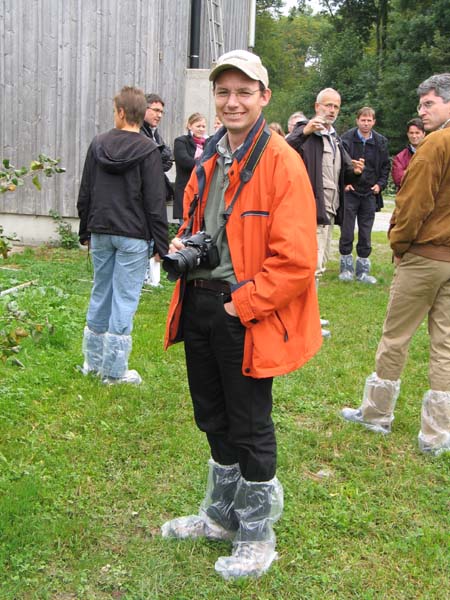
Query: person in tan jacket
point(420, 239)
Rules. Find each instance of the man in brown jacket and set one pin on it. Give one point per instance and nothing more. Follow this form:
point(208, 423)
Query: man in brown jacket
point(420, 240)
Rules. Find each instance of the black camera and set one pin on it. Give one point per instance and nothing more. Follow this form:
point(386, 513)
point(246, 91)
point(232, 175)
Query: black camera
point(200, 251)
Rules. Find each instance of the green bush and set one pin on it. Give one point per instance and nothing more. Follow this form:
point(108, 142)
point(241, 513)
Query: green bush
point(68, 238)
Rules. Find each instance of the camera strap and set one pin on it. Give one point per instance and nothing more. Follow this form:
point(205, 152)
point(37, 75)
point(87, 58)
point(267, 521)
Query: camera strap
point(246, 174)
point(192, 207)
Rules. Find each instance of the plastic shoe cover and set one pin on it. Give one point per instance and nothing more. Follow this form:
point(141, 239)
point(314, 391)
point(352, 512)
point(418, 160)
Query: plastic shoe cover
point(355, 415)
point(377, 409)
point(92, 348)
point(346, 276)
point(216, 519)
point(86, 370)
point(326, 333)
point(194, 527)
point(363, 270)
point(116, 350)
point(218, 503)
point(258, 505)
point(434, 435)
point(130, 376)
point(364, 278)
point(249, 559)
point(347, 271)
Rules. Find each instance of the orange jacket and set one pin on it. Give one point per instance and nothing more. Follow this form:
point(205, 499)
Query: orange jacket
point(272, 238)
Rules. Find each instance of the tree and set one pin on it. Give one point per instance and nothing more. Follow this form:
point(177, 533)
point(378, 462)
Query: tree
point(374, 52)
point(288, 46)
point(12, 178)
point(418, 45)
point(273, 7)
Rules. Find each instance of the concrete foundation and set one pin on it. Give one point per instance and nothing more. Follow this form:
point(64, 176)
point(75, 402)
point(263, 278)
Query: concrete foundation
point(32, 230)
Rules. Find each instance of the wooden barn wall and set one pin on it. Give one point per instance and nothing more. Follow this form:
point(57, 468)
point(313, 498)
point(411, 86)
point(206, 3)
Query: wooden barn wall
point(62, 61)
point(235, 28)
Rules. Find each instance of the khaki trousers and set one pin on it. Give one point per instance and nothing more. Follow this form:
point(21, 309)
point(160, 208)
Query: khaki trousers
point(324, 235)
point(420, 288)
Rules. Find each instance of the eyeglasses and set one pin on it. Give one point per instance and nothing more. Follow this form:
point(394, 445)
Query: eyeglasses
point(158, 111)
point(243, 94)
point(425, 105)
point(330, 105)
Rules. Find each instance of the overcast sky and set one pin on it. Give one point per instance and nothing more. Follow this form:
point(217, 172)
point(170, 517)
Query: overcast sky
point(289, 3)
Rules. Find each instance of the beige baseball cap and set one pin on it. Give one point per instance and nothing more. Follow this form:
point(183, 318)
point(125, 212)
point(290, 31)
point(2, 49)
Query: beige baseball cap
point(245, 61)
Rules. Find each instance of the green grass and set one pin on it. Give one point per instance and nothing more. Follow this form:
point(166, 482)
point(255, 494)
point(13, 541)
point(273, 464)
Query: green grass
point(89, 473)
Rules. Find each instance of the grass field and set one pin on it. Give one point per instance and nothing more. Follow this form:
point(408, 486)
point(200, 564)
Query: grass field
point(89, 473)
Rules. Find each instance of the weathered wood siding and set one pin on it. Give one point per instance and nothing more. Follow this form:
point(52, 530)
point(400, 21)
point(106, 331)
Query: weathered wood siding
point(62, 61)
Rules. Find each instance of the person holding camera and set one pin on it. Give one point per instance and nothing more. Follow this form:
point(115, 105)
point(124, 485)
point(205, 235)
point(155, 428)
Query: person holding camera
point(245, 305)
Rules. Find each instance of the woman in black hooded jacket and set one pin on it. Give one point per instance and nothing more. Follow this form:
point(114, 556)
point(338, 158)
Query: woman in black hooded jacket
point(121, 205)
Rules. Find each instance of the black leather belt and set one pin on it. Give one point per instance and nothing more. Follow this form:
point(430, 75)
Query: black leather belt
point(212, 285)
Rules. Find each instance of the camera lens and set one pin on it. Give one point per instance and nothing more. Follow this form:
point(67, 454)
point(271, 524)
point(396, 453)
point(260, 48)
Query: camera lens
point(180, 262)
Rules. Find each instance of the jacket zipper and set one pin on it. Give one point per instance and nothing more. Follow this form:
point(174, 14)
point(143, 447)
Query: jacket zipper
point(286, 333)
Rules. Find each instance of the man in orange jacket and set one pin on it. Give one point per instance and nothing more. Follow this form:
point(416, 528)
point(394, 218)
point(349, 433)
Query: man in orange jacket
point(245, 306)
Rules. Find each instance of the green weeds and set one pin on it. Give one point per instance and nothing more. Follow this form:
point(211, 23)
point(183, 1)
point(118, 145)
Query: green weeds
point(68, 238)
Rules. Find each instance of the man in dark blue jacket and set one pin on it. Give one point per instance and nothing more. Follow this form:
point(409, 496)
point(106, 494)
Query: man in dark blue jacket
point(363, 199)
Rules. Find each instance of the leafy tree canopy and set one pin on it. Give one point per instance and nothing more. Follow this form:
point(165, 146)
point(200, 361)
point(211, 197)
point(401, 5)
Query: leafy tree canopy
point(373, 52)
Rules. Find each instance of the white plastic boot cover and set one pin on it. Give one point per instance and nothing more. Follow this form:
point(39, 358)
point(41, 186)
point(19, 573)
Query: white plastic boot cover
point(116, 351)
point(347, 271)
point(377, 409)
point(258, 505)
point(216, 519)
point(363, 270)
point(92, 348)
point(218, 503)
point(434, 435)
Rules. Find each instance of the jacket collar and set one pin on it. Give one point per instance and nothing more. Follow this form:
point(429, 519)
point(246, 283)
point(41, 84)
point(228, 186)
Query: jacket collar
point(210, 146)
point(210, 150)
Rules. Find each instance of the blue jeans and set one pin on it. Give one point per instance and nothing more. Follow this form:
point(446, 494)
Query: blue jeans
point(119, 270)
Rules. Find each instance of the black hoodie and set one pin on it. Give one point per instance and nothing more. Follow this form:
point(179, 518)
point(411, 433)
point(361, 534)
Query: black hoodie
point(122, 189)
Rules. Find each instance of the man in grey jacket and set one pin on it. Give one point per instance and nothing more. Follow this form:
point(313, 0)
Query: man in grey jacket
point(329, 168)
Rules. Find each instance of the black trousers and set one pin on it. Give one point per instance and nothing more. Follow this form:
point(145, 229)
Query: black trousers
point(361, 209)
point(233, 410)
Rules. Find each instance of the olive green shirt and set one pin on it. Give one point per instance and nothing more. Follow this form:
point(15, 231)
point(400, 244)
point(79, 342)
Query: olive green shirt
point(214, 216)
